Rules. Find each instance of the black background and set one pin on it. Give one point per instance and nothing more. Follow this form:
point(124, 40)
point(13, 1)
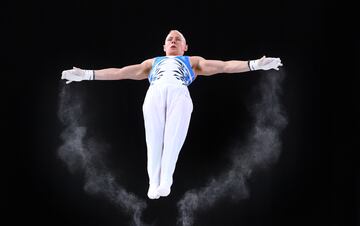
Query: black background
point(311, 184)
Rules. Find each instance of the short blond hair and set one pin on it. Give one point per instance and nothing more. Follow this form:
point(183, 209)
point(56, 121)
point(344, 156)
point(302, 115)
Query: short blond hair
point(182, 36)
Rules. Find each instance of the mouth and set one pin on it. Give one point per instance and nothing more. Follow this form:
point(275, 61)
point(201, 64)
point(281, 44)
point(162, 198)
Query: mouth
point(173, 47)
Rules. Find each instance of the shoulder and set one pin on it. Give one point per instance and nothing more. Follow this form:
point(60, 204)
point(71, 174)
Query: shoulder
point(195, 60)
point(148, 63)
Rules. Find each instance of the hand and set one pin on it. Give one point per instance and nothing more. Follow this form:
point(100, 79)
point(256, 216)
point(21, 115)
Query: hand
point(77, 75)
point(265, 63)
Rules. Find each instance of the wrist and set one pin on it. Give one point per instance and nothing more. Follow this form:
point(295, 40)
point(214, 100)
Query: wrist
point(253, 65)
point(89, 75)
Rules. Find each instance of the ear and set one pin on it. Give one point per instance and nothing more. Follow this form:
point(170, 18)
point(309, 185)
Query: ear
point(164, 48)
point(186, 48)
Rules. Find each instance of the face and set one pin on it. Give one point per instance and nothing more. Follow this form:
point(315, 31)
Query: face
point(175, 44)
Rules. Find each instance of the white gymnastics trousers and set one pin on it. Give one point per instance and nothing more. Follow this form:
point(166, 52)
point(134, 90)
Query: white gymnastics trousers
point(167, 110)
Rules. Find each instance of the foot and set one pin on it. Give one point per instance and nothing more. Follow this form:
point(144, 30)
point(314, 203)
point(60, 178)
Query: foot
point(152, 192)
point(163, 191)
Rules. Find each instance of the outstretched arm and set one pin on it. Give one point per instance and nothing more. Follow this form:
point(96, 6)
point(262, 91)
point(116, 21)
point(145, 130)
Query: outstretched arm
point(211, 67)
point(135, 72)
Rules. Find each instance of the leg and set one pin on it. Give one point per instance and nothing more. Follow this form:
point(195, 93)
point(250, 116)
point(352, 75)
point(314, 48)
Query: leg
point(178, 114)
point(154, 119)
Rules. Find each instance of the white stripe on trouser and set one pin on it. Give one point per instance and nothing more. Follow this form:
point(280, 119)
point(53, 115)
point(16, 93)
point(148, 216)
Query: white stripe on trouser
point(167, 110)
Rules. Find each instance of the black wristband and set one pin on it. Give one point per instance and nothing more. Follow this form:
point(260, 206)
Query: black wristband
point(249, 65)
point(93, 75)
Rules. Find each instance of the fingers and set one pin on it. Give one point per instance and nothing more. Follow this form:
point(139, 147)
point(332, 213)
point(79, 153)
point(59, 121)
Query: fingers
point(277, 62)
point(274, 63)
point(65, 75)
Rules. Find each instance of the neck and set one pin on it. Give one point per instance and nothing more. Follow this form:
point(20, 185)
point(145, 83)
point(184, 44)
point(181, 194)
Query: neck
point(174, 54)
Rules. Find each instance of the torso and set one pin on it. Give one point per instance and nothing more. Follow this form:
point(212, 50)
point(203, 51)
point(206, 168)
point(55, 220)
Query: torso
point(173, 69)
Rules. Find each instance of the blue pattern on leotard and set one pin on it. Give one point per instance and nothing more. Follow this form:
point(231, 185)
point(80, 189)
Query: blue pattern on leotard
point(182, 71)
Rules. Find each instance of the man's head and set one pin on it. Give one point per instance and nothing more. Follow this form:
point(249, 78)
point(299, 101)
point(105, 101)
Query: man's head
point(175, 44)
